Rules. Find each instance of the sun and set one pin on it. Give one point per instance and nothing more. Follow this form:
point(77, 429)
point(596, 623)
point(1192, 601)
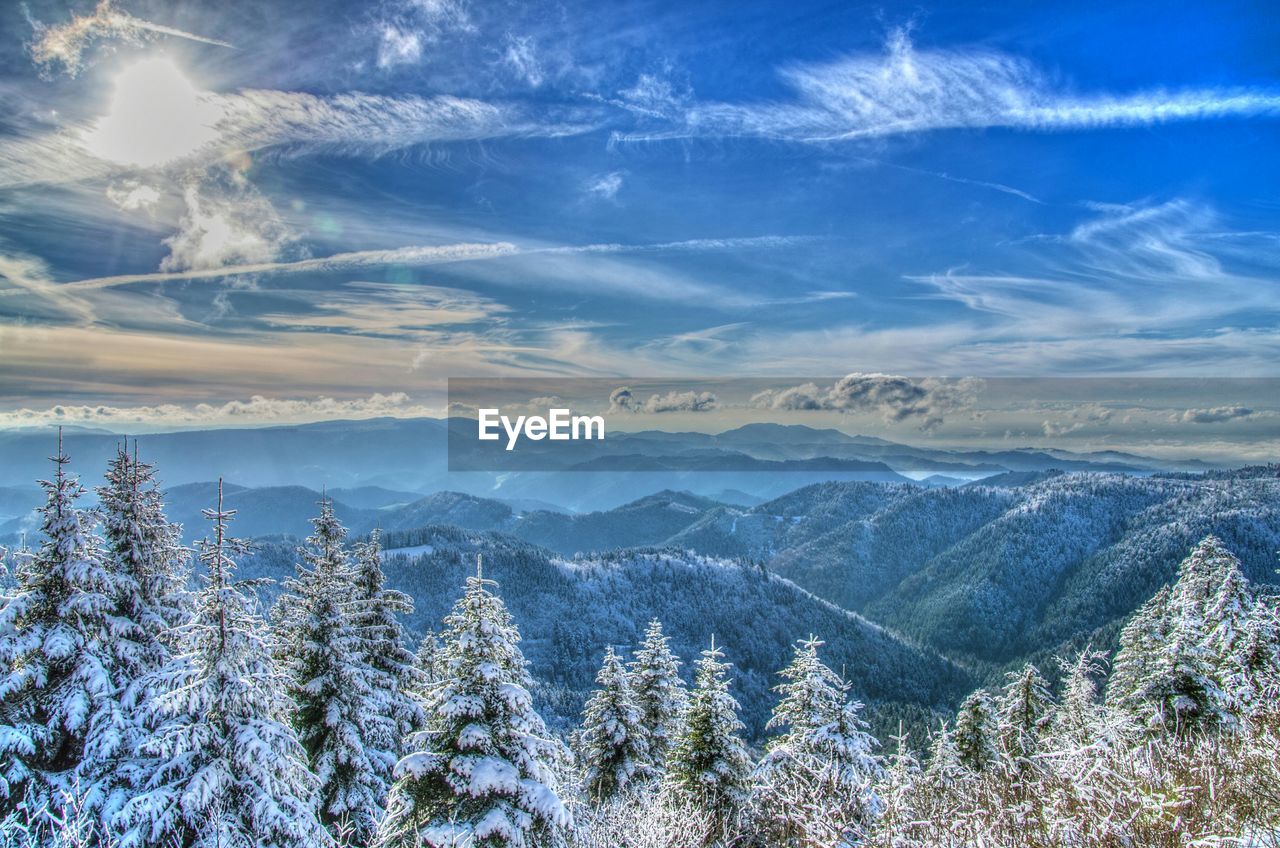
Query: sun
point(156, 116)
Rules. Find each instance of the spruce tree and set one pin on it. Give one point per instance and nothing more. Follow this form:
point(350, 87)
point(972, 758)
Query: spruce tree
point(815, 783)
point(65, 645)
point(709, 765)
point(481, 773)
point(659, 692)
point(230, 770)
point(383, 644)
point(347, 733)
point(613, 742)
point(1142, 639)
point(1078, 720)
point(1024, 714)
point(1168, 671)
point(976, 733)
point(145, 552)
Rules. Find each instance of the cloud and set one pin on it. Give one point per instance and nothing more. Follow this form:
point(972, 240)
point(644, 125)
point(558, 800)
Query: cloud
point(606, 186)
point(211, 127)
point(622, 400)
point(227, 222)
point(1213, 415)
point(64, 44)
point(256, 409)
point(908, 90)
point(522, 58)
point(895, 398)
point(133, 195)
point(407, 28)
point(398, 47)
point(630, 280)
point(388, 310)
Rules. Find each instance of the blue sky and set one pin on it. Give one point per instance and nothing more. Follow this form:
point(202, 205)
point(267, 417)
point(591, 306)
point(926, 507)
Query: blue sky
point(333, 207)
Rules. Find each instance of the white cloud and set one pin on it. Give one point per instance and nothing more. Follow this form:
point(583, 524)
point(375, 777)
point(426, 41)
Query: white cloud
point(522, 58)
point(909, 90)
point(398, 47)
point(895, 398)
point(258, 409)
point(65, 44)
point(227, 222)
point(133, 195)
point(1213, 415)
point(212, 127)
point(622, 400)
point(606, 186)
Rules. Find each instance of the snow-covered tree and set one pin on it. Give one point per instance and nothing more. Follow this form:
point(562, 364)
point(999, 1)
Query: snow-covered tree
point(976, 732)
point(480, 774)
point(815, 783)
point(151, 566)
point(1024, 714)
point(944, 766)
point(1078, 719)
point(709, 764)
point(430, 668)
point(659, 692)
point(146, 551)
point(229, 768)
point(613, 742)
point(64, 647)
point(383, 644)
point(340, 719)
point(1166, 671)
point(898, 786)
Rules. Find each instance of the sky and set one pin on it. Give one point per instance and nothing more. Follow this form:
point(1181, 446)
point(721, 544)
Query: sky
point(284, 211)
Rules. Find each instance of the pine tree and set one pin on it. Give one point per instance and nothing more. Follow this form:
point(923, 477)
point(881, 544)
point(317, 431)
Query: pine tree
point(480, 774)
point(815, 784)
point(1024, 714)
point(383, 644)
point(976, 733)
point(613, 741)
point(151, 568)
point(709, 764)
point(944, 768)
point(898, 787)
point(1167, 671)
point(231, 771)
point(430, 668)
point(1078, 720)
point(1242, 645)
point(349, 737)
point(1142, 639)
point(64, 647)
point(147, 553)
point(659, 692)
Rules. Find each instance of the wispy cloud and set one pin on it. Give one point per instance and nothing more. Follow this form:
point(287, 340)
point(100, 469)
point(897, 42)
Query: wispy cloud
point(420, 256)
point(291, 122)
point(65, 44)
point(908, 90)
point(606, 186)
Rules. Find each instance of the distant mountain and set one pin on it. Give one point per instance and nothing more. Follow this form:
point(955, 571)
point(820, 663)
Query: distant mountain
point(373, 457)
point(569, 610)
point(374, 497)
point(260, 512)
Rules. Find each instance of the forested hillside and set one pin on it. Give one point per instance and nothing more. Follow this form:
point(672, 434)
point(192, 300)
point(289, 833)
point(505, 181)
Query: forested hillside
point(571, 609)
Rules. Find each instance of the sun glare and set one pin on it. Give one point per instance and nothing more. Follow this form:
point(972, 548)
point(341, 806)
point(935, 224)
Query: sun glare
point(157, 116)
